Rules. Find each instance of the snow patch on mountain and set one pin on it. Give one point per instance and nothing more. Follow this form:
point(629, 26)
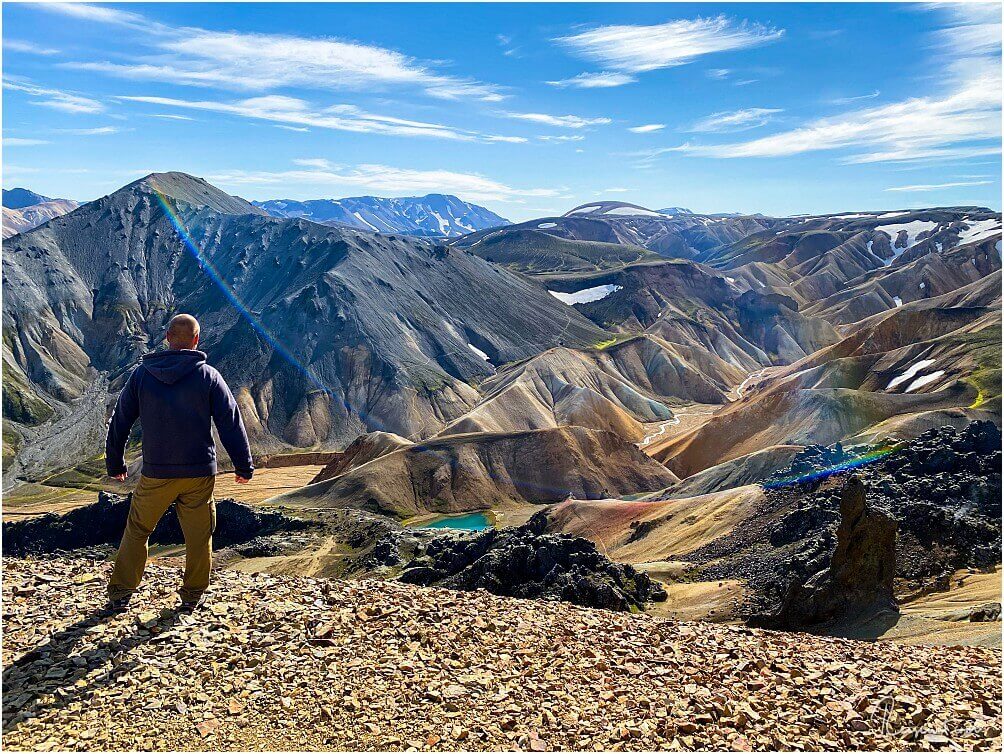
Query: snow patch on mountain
point(586, 295)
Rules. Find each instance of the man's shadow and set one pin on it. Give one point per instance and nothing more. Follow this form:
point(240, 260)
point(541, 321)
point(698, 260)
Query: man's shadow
point(51, 670)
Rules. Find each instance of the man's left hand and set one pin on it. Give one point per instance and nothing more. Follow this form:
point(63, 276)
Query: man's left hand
point(240, 480)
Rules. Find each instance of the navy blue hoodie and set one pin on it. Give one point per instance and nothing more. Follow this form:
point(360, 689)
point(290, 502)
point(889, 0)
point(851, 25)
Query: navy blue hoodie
point(176, 395)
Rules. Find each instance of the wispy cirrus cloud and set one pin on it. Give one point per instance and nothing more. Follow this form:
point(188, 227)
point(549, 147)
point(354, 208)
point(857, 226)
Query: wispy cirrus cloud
point(561, 138)
point(14, 141)
point(647, 128)
point(17, 45)
point(921, 187)
point(56, 99)
point(600, 80)
point(856, 98)
point(736, 120)
point(99, 131)
point(628, 50)
point(962, 120)
point(383, 179)
point(559, 121)
point(296, 112)
point(259, 62)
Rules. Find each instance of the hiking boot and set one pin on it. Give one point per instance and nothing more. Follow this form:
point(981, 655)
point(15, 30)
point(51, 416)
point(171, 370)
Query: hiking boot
point(189, 605)
point(117, 604)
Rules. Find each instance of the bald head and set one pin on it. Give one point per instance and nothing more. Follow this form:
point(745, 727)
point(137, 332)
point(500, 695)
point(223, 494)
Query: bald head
point(182, 332)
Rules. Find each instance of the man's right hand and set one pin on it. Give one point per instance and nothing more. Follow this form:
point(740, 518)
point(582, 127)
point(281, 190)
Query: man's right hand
point(240, 480)
point(119, 477)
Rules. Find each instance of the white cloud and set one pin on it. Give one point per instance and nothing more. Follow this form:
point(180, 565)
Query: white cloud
point(383, 179)
point(259, 62)
point(648, 128)
point(169, 117)
point(616, 190)
point(964, 122)
point(559, 121)
point(601, 80)
point(737, 120)
point(635, 49)
point(562, 137)
point(938, 186)
point(718, 73)
point(858, 98)
point(298, 129)
point(17, 45)
point(11, 141)
point(56, 99)
point(297, 112)
point(99, 131)
point(99, 14)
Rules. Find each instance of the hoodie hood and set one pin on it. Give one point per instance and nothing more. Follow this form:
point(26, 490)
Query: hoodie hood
point(171, 366)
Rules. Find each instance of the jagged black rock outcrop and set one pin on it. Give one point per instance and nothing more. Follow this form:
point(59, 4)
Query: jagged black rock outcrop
point(858, 579)
point(943, 489)
point(102, 523)
point(525, 561)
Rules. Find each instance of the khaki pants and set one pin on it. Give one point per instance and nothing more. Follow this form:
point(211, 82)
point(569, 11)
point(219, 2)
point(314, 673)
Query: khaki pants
point(197, 515)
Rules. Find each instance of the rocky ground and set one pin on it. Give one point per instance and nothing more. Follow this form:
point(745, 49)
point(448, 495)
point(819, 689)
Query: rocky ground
point(292, 663)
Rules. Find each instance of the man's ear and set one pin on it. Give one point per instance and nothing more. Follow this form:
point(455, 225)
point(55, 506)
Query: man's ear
point(196, 341)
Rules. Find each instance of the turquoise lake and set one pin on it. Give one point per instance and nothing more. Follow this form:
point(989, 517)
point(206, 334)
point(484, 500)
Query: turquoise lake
point(467, 522)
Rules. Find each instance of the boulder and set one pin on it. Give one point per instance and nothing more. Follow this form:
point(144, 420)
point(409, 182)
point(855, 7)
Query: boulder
point(528, 562)
point(858, 578)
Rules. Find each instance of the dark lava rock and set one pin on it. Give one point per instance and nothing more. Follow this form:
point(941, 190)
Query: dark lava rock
point(527, 562)
point(102, 523)
point(858, 578)
point(943, 489)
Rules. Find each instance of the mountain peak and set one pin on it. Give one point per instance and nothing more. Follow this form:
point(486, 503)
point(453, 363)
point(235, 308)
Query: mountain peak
point(19, 198)
point(193, 190)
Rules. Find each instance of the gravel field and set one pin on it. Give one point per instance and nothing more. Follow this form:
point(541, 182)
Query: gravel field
point(283, 663)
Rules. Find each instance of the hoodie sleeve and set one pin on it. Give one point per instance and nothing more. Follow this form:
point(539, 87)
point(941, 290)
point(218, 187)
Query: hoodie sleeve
point(123, 417)
point(230, 427)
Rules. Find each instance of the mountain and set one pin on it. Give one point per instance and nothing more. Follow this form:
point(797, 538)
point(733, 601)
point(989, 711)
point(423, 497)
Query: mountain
point(19, 220)
point(686, 236)
point(488, 470)
point(323, 333)
point(19, 198)
point(24, 210)
point(433, 215)
point(925, 364)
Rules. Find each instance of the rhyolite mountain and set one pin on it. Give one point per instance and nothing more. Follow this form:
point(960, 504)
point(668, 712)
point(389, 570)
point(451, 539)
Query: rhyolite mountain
point(433, 215)
point(323, 332)
point(24, 209)
point(687, 236)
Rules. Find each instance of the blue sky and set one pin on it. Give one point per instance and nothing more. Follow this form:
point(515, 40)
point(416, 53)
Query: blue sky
point(529, 109)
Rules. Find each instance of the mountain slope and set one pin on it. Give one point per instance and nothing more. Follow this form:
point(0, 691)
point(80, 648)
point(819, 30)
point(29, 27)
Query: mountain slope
point(924, 364)
point(434, 215)
point(474, 472)
point(20, 220)
point(323, 333)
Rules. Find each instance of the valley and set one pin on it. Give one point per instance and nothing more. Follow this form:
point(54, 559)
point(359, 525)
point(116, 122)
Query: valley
point(787, 423)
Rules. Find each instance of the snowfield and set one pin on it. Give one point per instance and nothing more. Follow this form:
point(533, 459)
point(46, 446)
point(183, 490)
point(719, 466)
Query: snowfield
point(910, 373)
point(913, 229)
point(586, 295)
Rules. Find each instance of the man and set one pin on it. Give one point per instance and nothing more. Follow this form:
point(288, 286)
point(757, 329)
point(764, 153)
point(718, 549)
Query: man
point(176, 396)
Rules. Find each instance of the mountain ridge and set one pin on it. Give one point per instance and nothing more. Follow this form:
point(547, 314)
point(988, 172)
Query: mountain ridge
point(431, 215)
